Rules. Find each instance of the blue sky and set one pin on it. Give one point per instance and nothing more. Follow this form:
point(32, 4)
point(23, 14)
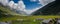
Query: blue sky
point(29, 5)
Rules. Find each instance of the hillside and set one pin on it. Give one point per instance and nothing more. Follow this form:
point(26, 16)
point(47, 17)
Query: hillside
point(5, 11)
point(52, 8)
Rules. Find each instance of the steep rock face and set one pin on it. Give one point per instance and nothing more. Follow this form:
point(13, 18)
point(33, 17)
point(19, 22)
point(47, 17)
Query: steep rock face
point(51, 8)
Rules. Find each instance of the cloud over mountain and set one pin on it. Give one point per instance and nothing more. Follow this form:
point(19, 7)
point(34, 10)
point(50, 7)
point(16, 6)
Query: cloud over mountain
point(11, 4)
point(21, 5)
point(45, 2)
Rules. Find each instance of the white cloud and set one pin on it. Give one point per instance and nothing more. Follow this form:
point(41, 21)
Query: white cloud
point(45, 2)
point(33, 0)
point(4, 2)
point(18, 7)
point(21, 5)
point(30, 11)
point(0, 0)
point(15, 6)
point(10, 4)
point(33, 10)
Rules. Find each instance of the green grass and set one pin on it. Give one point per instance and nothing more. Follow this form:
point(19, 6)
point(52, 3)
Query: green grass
point(26, 19)
point(6, 10)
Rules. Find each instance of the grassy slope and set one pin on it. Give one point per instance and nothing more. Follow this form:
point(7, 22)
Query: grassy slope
point(5, 10)
point(17, 16)
point(8, 11)
point(28, 19)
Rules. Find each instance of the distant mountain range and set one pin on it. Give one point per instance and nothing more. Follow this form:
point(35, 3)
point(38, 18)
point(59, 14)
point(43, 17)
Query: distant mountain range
point(52, 8)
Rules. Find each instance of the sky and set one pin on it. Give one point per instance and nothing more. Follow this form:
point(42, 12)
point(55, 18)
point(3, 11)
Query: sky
point(27, 6)
point(30, 5)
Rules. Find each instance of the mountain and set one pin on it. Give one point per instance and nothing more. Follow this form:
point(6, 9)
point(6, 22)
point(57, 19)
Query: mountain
point(52, 8)
point(21, 12)
point(6, 12)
